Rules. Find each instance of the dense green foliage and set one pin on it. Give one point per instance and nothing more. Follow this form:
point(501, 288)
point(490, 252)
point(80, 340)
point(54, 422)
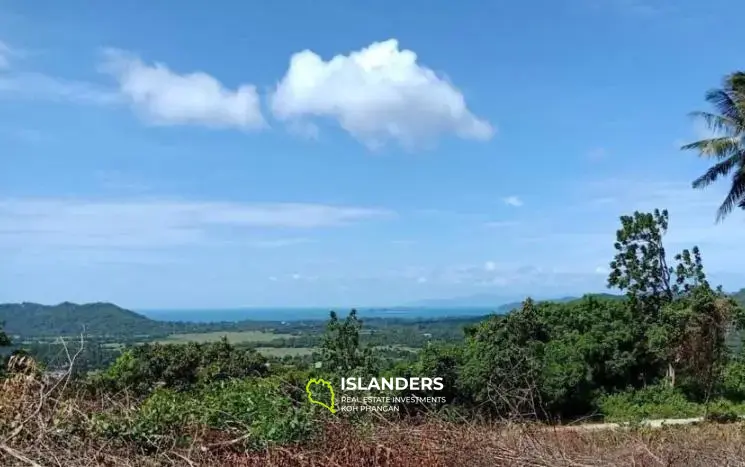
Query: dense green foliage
point(70, 319)
point(179, 366)
point(550, 357)
point(256, 410)
point(560, 360)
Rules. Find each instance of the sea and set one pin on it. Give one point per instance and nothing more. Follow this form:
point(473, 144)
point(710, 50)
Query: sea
point(307, 314)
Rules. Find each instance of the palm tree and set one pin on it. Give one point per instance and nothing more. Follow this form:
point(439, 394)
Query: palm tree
point(727, 146)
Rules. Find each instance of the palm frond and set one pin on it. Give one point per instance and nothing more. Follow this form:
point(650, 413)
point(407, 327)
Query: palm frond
point(719, 123)
point(716, 171)
point(727, 145)
point(718, 148)
point(735, 196)
point(735, 85)
point(727, 104)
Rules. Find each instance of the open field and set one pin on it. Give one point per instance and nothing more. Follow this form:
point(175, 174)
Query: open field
point(242, 337)
point(285, 351)
point(113, 346)
point(400, 347)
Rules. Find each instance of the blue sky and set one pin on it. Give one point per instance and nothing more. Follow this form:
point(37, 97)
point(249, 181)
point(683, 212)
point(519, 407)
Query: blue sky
point(349, 153)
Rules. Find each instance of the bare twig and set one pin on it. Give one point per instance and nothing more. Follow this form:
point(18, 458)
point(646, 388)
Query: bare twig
point(12, 452)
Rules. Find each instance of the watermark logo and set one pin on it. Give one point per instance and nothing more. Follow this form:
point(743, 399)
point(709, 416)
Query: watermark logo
point(321, 392)
point(321, 383)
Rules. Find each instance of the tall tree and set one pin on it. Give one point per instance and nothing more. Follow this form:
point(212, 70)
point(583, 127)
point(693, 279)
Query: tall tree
point(727, 145)
point(341, 350)
point(679, 318)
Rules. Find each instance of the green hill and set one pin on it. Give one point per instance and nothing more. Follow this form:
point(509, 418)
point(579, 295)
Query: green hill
point(65, 319)
point(507, 307)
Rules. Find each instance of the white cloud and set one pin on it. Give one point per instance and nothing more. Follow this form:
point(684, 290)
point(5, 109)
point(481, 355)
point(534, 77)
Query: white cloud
point(583, 234)
point(505, 278)
point(56, 223)
point(513, 201)
point(164, 97)
point(601, 270)
point(16, 83)
point(38, 86)
point(303, 277)
point(5, 53)
point(376, 94)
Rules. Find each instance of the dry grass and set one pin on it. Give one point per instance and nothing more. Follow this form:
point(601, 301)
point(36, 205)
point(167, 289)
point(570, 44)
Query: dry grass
point(41, 427)
point(440, 445)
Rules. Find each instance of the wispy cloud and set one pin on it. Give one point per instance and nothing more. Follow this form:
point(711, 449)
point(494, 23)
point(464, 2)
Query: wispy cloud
point(5, 54)
point(38, 86)
point(157, 94)
point(513, 201)
point(17, 83)
point(160, 223)
point(504, 277)
point(590, 225)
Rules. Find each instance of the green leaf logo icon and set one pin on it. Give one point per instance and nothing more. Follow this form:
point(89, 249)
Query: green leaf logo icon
point(323, 383)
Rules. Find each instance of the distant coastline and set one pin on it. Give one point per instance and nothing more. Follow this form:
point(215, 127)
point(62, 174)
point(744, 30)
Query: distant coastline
point(307, 314)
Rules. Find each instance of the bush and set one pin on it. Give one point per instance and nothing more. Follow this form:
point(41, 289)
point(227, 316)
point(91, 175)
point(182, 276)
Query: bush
point(724, 411)
point(178, 366)
point(255, 409)
point(647, 403)
point(733, 380)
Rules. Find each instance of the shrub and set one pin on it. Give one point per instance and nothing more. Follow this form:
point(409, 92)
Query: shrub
point(723, 411)
point(650, 402)
point(179, 366)
point(733, 380)
point(257, 410)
